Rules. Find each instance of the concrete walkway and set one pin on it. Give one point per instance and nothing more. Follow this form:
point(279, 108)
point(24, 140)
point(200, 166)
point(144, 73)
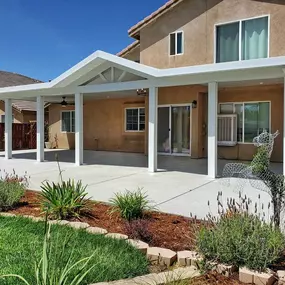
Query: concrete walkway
point(180, 187)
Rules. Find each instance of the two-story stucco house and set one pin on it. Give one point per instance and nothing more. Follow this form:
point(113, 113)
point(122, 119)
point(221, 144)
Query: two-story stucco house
point(202, 79)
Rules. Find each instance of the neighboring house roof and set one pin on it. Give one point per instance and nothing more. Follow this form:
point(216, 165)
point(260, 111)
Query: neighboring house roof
point(129, 48)
point(14, 79)
point(134, 31)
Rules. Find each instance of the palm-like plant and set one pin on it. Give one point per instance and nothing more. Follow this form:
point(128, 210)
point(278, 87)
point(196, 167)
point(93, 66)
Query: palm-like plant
point(131, 205)
point(64, 199)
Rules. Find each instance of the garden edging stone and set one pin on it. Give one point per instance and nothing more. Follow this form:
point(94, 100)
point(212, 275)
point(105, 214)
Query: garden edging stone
point(157, 278)
point(138, 244)
point(96, 230)
point(117, 236)
point(78, 225)
point(161, 256)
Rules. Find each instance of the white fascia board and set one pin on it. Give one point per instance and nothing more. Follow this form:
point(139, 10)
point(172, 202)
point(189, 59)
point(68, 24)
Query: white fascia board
point(28, 87)
point(227, 66)
point(95, 60)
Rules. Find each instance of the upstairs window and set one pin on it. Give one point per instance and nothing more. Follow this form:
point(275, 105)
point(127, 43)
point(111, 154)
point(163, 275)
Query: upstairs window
point(242, 40)
point(176, 43)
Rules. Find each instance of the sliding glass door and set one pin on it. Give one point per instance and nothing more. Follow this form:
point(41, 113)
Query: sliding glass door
point(174, 125)
point(163, 130)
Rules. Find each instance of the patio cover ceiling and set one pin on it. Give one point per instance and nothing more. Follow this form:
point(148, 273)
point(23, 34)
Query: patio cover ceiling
point(70, 82)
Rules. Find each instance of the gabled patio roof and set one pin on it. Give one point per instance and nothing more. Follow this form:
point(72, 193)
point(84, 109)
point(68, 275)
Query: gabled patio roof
point(73, 80)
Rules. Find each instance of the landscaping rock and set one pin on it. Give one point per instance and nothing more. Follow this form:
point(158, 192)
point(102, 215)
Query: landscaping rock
point(184, 257)
point(264, 278)
point(140, 245)
point(177, 274)
point(161, 256)
point(7, 214)
point(246, 275)
point(157, 279)
point(281, 277)
point(117, 236)
point(226, 270)
point(150, 279)
point(188, 258)
point(96, 230)
point(58, 222)
point(35, 219)
point(186, 272)
point(78, 225)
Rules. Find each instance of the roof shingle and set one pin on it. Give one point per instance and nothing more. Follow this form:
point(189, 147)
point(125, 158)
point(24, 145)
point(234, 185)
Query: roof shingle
point(13, 79)
point(133, 31)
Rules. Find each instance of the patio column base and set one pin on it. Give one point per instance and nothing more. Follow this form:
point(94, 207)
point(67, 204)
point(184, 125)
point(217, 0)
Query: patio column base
point(40, 129)
point(8, 128)
point(78, 129)
point(212, 129)
point(152, 130)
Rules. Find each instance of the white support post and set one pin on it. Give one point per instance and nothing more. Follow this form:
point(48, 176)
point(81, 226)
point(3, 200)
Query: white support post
point(212, 129)
point(284, 129)
point(8, 128)
point(78, 129)
point(152, 130)
point(40, 129)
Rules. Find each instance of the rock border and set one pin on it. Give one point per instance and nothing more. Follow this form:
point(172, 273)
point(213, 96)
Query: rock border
point(188, 260)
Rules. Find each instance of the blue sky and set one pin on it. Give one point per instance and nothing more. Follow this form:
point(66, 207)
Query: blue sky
point(43, 38)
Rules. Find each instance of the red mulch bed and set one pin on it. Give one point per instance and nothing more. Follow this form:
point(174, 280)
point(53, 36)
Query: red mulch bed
point(215, 279)
point(169, 231)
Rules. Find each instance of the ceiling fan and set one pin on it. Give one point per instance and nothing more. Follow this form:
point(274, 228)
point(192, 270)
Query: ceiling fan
point(64, 103)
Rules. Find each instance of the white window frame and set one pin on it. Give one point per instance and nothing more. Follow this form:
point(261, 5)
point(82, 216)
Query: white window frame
point(134, 131)
point(240, 21)
point(243, 103)
point(182, 44)
point(70, 118)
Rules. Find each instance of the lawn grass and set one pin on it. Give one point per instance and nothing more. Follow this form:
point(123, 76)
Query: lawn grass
point(21, 243)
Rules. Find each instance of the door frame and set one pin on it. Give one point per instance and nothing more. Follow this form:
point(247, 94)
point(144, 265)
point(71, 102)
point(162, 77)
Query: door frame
point(170, 128)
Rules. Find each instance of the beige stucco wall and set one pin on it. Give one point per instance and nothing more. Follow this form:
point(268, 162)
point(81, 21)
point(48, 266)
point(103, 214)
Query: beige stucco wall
point(104, 120)
point(197, 19)
point(274, 94)
point(19, 117)
point(133, 55)
point(104, 127)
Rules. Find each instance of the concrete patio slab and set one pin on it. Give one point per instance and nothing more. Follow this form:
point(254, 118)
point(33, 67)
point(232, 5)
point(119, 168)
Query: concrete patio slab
point(181, 186)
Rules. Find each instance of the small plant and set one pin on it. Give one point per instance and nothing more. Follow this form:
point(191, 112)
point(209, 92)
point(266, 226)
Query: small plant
point(12, 189)
point(131, 205)
point(241, 239)
point(139, 229)
point(48, 270)
point(65, 199)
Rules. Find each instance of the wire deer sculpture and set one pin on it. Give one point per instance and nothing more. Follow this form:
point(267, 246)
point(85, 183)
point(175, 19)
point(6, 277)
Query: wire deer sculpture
point(246, 172)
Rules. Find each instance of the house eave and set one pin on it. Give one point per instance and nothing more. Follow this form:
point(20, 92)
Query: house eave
point(202, 74)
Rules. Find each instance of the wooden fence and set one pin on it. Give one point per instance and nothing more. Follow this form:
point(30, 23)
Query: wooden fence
point(24, 136)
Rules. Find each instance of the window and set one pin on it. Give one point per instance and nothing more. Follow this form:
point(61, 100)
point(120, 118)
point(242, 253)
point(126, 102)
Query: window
point(252, 118)
point(3, 118)
point(176, 43)
point(68, 121)
point(242, 40)
point(135, 119)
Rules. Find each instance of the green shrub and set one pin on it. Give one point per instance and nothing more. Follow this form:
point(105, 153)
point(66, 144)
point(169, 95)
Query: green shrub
point(241, 239)
point(10, 193)
point(65, 199)
point(131, 205)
